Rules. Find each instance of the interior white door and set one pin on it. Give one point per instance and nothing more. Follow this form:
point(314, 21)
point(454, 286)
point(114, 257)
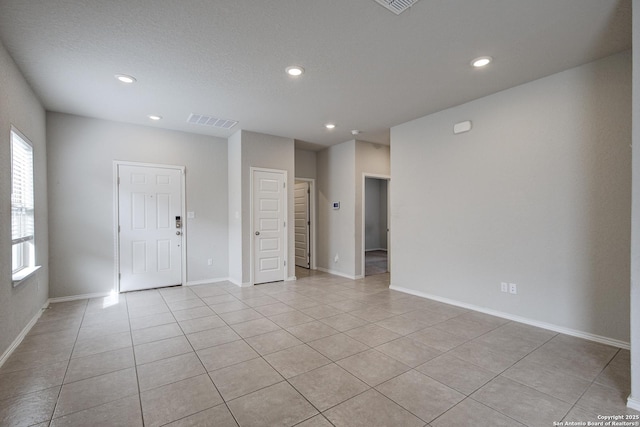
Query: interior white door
point(149, 219)
point(302, 224)
point(269, 196)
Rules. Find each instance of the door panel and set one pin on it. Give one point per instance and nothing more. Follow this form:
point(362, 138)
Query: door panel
point(139, 257)
point(150, 244)
point(164, 255)
point(269, 217)
point(302, 229)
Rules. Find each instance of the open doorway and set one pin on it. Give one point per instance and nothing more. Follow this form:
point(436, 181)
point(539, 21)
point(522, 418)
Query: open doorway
point(304, 227)
point(376, 225)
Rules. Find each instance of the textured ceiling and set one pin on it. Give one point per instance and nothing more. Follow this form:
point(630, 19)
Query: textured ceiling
point(366, 68)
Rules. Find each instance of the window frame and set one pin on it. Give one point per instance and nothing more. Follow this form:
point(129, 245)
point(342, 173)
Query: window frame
point(23, 247)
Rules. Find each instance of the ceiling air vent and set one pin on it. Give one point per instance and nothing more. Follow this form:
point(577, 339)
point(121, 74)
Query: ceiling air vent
point(397, 6)
point(199, 119)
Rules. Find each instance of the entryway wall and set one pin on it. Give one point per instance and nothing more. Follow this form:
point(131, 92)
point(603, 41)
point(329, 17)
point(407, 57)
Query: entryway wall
point(80, 155)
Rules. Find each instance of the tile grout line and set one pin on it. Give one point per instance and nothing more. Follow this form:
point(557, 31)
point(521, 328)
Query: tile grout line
point(84, 312)
point(224, 402)
point(590, 385)
point(96, 376)
point(135, 362)
point(90, 377)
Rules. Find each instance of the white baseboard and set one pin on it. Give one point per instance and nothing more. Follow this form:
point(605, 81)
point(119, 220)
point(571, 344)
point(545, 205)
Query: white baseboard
point(376, 249)
point(291, 279)
point(207, 281)
point(77, 297)
point(240, 284)
point(338, 273)
point(9, 351)
point(633, 403)
point(549, 326)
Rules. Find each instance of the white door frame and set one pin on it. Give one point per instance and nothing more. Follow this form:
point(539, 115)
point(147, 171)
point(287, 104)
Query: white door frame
point(312, 218)
point(116, 215)
point(251, 227)
point(387, 178)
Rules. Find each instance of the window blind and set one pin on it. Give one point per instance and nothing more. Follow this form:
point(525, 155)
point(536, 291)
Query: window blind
point(22, 206)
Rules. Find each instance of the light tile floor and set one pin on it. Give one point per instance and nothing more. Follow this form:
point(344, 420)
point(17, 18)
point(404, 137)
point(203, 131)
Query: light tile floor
point(320, 351)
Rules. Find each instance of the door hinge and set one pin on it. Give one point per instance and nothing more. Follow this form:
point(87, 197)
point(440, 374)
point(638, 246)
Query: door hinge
point(285, 263)
point(284, 185)
point(308, 222)
point(118, 180)
point(119, 276)
point(118, 229)
point(285, 224)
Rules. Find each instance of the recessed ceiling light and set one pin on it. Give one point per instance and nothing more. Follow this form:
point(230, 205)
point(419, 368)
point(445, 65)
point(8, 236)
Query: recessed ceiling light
point(482, 61)
point(295, 70)
point(330, 126)
point(124, 78)
point(154, 117)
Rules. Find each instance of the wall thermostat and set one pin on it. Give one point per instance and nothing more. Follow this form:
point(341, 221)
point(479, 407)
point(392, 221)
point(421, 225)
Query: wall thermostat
point(336, 205)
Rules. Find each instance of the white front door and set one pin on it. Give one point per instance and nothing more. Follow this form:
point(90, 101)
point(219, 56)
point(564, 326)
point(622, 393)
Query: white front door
point(150, 227)
point(302, 224)
point(269, 216)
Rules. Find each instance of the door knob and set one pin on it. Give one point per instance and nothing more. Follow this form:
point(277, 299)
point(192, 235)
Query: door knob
point(257, 233)
point(178, 233)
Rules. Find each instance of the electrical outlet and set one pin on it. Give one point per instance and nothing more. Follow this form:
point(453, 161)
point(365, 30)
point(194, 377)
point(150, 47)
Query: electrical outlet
point(513, 288)
point(504, 287)
point(210, 261)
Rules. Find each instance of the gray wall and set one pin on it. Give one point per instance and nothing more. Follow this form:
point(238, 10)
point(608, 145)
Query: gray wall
point(635, 216)
point(537, 194)
point(235, 207)
point(305, 163)
point(81, 152)
point(375, 226)
point(336, 228)
point(19, 106)
point(369, 159)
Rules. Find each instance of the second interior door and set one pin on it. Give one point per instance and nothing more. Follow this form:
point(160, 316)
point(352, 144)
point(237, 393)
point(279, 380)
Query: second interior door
point(269, 225)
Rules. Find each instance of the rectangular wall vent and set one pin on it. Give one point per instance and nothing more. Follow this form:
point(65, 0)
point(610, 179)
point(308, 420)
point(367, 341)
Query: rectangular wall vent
point(397, 6)
point(199, 119)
